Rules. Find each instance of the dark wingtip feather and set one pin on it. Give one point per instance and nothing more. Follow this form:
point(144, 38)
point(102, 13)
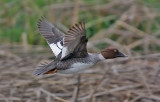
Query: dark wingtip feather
point(41, 69)
point(36, 73)
point(75, 27)
point(82, 24)
point(40, 20)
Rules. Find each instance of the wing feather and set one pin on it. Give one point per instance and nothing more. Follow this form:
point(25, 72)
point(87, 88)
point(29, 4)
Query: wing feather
point(74, 43)
point(51, 34)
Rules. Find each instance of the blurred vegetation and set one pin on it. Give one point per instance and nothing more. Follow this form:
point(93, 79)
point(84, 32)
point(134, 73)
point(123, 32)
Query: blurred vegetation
point(19, 17)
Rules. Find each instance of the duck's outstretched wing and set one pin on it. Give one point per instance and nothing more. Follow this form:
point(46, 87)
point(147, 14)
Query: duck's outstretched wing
point(53, 36)
point(74, 42)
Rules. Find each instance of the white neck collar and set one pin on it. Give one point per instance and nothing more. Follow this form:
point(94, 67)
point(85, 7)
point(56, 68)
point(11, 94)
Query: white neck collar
point(101, 57)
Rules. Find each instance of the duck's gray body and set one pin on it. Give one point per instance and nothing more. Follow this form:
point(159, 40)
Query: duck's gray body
point(78, 64)
point(70, 66)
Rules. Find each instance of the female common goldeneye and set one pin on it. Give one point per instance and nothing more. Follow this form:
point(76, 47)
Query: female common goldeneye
point(70, 50)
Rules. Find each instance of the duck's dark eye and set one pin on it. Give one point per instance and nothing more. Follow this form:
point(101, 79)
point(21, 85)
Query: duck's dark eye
point(86, 40)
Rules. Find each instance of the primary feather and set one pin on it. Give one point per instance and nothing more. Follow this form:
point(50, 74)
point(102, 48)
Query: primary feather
point(53, 36)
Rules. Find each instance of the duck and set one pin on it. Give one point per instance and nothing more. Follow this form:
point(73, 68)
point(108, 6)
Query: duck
point(70, 50)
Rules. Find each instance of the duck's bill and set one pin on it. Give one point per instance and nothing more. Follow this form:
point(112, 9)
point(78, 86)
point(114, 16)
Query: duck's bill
point(120, 54)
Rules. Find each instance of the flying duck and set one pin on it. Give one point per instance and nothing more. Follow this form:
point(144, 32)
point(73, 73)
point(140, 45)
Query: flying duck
point(70, 50)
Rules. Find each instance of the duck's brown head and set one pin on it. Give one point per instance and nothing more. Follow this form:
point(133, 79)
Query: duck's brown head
point(109, 53)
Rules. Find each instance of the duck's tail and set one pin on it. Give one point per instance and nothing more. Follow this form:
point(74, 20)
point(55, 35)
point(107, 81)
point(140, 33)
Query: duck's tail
point(45, 69)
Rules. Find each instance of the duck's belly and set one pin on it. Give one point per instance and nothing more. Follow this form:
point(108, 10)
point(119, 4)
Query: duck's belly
point(76, 67)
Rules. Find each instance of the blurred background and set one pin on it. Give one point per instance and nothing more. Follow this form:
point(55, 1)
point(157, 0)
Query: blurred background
point(132, 26)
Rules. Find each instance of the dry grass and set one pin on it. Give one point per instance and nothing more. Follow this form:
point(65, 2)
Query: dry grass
point(132, 79)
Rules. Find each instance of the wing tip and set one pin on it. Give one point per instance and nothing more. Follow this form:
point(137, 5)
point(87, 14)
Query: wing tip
point(40, 20)
point(82, 23)
point(77, 27)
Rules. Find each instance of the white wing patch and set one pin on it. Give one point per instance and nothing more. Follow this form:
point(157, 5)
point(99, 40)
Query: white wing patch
point(64, 52)
point(56, 48)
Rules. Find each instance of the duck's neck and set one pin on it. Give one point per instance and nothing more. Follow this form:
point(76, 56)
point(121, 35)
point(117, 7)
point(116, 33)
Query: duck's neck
point(96, 57)
point(101, 57)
